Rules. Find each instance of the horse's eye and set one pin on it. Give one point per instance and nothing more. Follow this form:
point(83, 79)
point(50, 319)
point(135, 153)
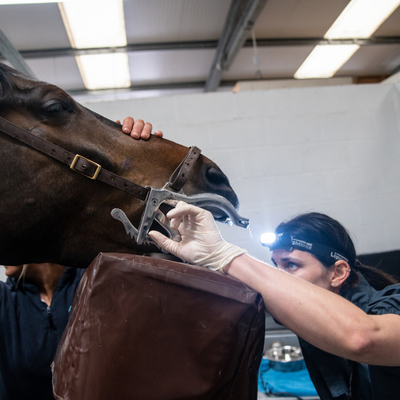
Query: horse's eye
point(56, 108)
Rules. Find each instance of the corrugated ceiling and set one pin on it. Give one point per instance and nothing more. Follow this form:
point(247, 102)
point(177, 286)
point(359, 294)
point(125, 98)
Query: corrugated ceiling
point(181, 38)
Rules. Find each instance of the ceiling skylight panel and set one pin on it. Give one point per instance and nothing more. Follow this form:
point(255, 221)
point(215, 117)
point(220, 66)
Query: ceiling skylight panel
point(94, 24)
point(325, 61)
point(360, 19)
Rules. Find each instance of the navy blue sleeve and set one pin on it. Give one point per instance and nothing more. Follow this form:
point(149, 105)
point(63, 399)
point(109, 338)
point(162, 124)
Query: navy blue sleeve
point(386, 301)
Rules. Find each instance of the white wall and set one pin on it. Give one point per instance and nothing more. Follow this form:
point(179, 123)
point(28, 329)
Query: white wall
point(331, 149)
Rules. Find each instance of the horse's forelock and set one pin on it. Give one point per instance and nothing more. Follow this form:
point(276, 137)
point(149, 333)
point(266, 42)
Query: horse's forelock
point(10, 78)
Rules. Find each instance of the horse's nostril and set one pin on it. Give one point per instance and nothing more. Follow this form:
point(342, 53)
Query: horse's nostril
point(217, 182)
point(216, 177)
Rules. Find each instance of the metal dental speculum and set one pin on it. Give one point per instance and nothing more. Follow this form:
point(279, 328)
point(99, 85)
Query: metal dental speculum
point(157, 196)
point(172, 191)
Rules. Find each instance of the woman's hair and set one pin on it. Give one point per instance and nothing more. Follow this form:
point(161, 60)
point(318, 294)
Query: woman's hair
point(320, 229)
point(23, 273)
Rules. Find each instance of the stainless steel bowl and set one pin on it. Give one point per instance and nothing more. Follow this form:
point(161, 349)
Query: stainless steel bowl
point(285, 358)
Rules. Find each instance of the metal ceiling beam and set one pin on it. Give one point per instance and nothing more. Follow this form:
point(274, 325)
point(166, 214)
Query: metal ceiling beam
point(153, 86)
point(293, 42)
point(236, 29)
point(11, 54)
point(130, 48)
point(202, 45)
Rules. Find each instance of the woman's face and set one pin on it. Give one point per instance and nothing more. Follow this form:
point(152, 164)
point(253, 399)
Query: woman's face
point(304, 265)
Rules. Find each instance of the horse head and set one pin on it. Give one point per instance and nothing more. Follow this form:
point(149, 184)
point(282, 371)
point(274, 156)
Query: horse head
point(50, 213)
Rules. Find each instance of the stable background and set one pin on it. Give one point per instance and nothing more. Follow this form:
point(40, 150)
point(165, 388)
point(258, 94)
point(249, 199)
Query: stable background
point(219, 75)
point(286, 151)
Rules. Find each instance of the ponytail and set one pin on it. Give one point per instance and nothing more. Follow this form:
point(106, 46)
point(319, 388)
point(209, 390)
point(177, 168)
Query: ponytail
point(377, 278)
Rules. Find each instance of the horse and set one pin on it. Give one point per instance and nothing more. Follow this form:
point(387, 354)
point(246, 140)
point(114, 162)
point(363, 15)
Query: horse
point(50, 213)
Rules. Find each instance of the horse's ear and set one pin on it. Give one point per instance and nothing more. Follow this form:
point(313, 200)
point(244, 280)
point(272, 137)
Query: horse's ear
point(5, 82)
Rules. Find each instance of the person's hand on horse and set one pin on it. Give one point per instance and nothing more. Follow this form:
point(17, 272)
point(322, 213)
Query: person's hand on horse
point(138, 129)
point(201, 242)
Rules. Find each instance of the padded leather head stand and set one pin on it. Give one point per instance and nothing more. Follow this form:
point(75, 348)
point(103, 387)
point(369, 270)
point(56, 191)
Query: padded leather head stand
point(151, 329)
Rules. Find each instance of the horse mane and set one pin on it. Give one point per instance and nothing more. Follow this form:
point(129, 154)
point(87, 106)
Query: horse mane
point(6, 80)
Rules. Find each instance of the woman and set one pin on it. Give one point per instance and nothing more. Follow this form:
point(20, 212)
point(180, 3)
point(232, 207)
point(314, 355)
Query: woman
point(345, 314)
point(34, 310)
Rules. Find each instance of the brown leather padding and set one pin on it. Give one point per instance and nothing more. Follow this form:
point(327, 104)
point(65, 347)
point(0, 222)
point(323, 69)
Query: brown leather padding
point(151, 329)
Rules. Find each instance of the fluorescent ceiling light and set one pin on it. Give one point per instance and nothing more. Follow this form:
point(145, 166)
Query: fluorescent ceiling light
point(360, 19)
point(6, 2)
point(95, 24)
point(104, 28)
point(324, 61)
point(104, 71)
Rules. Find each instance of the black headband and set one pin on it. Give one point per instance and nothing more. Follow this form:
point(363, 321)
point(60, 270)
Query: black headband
point(288, 243)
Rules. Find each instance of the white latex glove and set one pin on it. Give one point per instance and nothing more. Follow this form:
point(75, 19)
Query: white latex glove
point(201, 242)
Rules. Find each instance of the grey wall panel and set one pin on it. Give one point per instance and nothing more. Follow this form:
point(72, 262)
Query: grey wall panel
point(274, 63)
point(62, 72)
point(174, 20)
point(33, 26)
point(372, 60)
point(297, 18)
point(170, 66)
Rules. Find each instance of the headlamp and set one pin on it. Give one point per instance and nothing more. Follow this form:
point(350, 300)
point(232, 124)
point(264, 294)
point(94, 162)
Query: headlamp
point(288, 242)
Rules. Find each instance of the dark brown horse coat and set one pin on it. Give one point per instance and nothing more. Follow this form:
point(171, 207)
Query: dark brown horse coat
point(49, 213)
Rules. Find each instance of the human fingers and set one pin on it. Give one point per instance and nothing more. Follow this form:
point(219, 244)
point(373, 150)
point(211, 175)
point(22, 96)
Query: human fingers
point(182, 208)
point(159, 134)
point(194, 217)
point(165, 243)
point(143, 129)
point(138, 129)
point(127, 125)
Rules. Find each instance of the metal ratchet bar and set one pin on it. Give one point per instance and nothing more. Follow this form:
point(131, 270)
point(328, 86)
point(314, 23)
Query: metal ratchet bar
point(158, 196)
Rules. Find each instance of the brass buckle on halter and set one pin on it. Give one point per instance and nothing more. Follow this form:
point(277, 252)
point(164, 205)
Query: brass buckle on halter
point(96, 173)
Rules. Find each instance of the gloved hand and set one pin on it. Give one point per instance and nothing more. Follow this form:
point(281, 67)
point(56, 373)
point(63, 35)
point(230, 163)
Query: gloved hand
point(201, 242)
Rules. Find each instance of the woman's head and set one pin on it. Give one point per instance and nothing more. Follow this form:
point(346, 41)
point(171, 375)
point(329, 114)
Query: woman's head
point(325, 237)
point(329, 243)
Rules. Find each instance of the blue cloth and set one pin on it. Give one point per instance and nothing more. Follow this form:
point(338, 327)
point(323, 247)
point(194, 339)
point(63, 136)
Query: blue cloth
point(297, 383)
point(29, 336)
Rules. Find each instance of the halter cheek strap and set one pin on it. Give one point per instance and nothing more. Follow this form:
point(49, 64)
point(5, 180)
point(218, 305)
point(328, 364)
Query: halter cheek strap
point(76, 162)
point(181, 174)
point(94, 171)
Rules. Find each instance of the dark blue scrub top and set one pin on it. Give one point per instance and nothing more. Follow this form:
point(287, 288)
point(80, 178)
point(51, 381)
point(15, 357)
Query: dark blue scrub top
point(340, 379)
point(29, 335)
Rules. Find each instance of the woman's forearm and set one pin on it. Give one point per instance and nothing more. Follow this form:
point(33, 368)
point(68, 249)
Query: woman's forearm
point(317, 315)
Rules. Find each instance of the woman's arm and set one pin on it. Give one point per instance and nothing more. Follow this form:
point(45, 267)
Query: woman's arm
point(317, 315)
point(322, 318)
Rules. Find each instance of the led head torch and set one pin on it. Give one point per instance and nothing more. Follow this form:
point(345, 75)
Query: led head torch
point(288, 243)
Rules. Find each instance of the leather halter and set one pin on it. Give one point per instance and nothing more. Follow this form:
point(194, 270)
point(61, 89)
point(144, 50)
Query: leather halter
point(94, 171)
point(153, 198)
